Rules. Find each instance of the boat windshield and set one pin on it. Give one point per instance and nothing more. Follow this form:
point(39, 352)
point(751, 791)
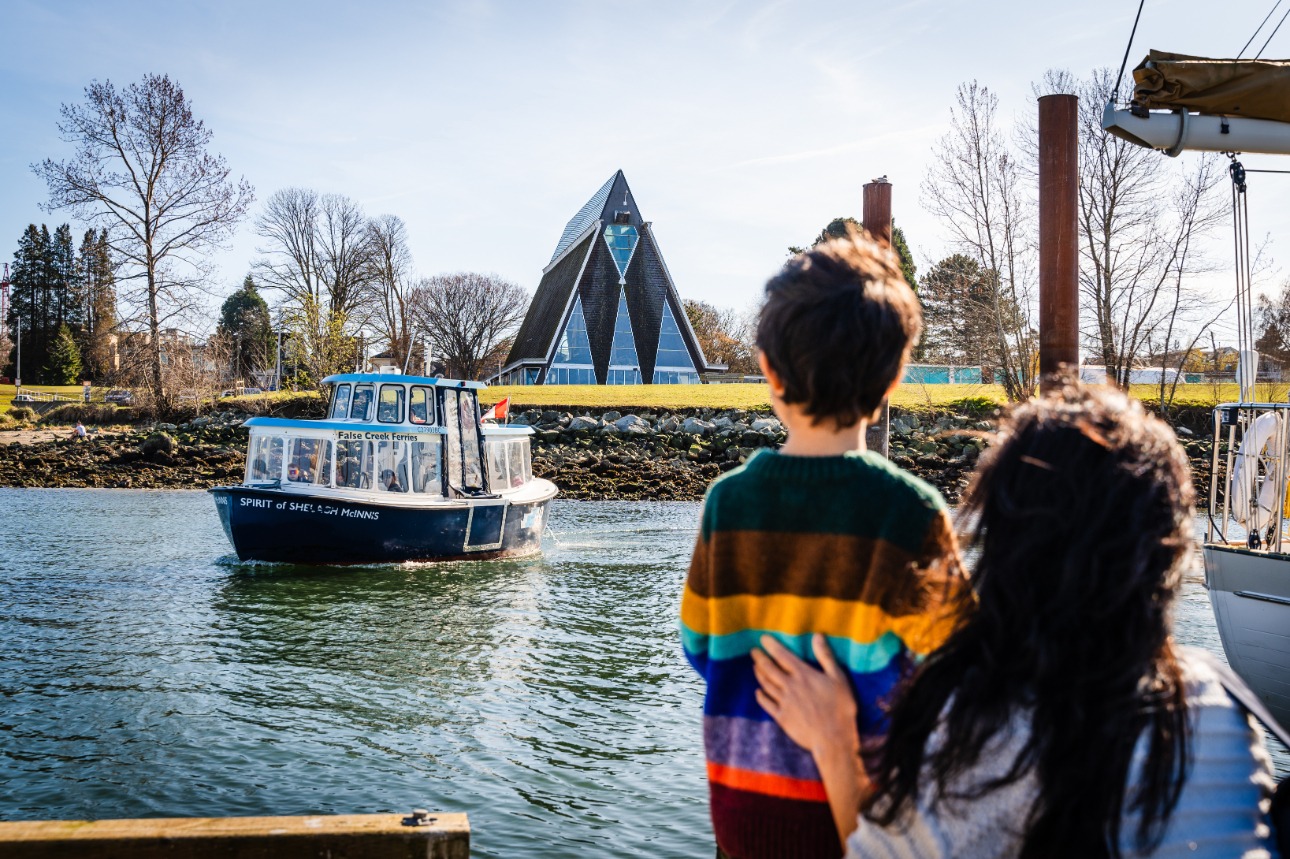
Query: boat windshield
point(264, 461)
point(509, 463)
point(421, 405)
point(340, 402)
point(361, 408)
point(310, 461)
point(389, 409)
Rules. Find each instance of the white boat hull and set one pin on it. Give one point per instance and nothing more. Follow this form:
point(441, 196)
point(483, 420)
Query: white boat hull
point(1250, 593)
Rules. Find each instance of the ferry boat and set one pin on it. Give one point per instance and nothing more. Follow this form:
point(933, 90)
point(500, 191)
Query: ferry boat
point(400, 469)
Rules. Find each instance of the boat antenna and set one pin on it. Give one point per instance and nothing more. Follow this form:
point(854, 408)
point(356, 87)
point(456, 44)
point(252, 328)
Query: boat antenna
point(1129, 47)
point(1255, 34)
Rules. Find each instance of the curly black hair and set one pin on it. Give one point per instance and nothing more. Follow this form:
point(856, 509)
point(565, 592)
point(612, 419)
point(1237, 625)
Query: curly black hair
point(1081, 515)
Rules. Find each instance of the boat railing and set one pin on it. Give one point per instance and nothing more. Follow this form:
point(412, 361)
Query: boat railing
point(1249, 471)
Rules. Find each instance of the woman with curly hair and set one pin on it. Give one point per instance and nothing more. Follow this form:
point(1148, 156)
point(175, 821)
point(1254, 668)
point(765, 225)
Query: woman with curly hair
point(1060, 719)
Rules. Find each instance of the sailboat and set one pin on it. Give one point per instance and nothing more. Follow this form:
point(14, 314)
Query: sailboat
point(1183, 103)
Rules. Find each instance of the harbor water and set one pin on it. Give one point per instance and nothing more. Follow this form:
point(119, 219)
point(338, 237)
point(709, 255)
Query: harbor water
point(145, 672)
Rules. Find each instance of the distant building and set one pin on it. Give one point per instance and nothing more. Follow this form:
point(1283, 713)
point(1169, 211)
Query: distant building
point(606, 311)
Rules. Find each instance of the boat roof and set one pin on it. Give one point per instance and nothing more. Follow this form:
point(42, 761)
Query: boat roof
point(399, 378)
point(344, 426)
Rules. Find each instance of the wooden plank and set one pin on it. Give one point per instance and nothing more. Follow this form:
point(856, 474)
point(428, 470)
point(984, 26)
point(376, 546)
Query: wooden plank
point(344, 836)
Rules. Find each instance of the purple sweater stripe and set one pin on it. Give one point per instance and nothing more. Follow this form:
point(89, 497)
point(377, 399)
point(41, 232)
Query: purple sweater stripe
point(755, 745)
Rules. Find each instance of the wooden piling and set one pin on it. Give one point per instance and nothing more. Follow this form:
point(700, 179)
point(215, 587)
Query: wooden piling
point(1058, 233)
point(877, 222)
point(352, 836)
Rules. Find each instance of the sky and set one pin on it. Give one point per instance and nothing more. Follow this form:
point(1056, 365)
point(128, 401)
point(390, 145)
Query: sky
point(742, 127)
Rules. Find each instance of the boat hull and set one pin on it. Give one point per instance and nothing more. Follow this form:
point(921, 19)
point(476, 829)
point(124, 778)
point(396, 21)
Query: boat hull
point(267, 524)
point(1250, 594)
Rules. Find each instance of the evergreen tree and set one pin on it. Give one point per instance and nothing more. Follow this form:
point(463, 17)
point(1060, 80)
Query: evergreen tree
point(64, 366)
point(98, 303)
point(28, 292)
point(244, 323)
point(66, 282)
point(838, 228)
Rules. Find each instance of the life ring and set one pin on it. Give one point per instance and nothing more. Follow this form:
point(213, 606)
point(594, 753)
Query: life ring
point(1245, 474)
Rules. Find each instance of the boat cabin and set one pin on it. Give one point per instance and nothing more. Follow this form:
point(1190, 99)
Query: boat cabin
point(386, 433)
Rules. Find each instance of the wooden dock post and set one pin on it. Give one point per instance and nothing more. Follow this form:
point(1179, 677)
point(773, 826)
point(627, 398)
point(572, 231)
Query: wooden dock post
point(877, 222)
point(1058, 233)
point(344, 836)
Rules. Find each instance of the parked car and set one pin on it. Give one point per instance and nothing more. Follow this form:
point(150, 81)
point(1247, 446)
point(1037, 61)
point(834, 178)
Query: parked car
point(120, 397)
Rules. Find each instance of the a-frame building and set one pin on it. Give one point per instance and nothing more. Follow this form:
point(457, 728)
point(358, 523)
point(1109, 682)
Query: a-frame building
point(606, 311)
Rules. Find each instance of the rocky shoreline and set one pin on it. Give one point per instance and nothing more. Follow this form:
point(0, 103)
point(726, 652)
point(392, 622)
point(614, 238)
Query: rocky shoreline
point(654, 456)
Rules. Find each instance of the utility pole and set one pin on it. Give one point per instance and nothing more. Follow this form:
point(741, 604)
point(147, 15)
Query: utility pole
point(4, 296)
point(17, 366)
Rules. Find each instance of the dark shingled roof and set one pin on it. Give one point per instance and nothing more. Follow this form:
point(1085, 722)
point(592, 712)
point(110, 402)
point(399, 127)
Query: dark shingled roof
point(648, 286)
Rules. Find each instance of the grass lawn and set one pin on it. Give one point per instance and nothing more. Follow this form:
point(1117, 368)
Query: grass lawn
point(746, 396)
point(72, 391)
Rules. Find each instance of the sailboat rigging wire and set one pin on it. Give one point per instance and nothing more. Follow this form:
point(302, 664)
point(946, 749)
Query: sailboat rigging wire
point(1118, 78)
point(1255, 34)
point(1252, 170)
point(1274, 32)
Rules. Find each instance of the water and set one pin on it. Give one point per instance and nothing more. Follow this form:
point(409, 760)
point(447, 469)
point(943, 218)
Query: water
point(145, 672)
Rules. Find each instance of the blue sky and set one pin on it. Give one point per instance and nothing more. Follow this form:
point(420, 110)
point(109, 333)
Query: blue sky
point(742, 127)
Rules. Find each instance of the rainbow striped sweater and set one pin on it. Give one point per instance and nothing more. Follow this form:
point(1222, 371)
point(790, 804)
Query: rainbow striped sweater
point(848, 546)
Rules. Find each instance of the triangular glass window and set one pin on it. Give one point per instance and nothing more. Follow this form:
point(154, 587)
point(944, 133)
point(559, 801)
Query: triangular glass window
point(621, 239)
point(623, 353)
point(574, 348)
point(673, 364)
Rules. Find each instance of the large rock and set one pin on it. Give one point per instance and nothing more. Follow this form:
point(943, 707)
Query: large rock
point(583, 423)
point(696, 426)
point(631, 424)
point(670, 424)
point(771, 425)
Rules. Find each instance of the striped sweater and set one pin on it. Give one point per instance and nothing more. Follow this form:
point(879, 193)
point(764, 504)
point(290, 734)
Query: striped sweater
point(848, 546)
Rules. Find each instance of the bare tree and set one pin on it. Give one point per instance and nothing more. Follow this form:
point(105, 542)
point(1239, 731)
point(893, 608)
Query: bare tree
point(973, 186)
point(391, 283)
point(318, 254)
point(143, 172)
point(466, 316)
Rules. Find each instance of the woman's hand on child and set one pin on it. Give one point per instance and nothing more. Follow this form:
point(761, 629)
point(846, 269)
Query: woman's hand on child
point(814, 707)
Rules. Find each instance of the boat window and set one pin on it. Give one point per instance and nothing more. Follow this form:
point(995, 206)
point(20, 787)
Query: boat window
point(454, 437)
point(265, 460)
point(421, 405)
point(472, 469)
point(349, 466)
point(310, 461)
point(517, 462)
point(391, 466)
point(497, 479)
point(389, 410)
point(361, 408)
point(426, 475)
point(340, 402)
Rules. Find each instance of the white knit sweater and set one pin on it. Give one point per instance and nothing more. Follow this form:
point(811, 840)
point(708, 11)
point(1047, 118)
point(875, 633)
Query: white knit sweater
point(1222, 811)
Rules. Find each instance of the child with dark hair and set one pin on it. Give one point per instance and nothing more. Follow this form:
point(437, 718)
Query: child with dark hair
point(820, 537)
point(1060, 719)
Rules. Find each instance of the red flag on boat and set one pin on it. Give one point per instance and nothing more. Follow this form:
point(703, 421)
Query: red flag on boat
point(500, 412)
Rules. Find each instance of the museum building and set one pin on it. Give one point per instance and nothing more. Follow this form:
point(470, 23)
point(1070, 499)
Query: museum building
point(606, 311)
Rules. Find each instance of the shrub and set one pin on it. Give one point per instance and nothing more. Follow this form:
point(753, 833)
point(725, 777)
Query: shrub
point(158, 442)
point(977, 407)
point(87, 413)
point(24, 414)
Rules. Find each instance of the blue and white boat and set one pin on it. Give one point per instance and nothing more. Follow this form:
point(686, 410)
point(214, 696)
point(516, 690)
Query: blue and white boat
point(401, 469)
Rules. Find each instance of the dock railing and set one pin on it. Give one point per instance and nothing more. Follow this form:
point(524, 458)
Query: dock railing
point(421, 835)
